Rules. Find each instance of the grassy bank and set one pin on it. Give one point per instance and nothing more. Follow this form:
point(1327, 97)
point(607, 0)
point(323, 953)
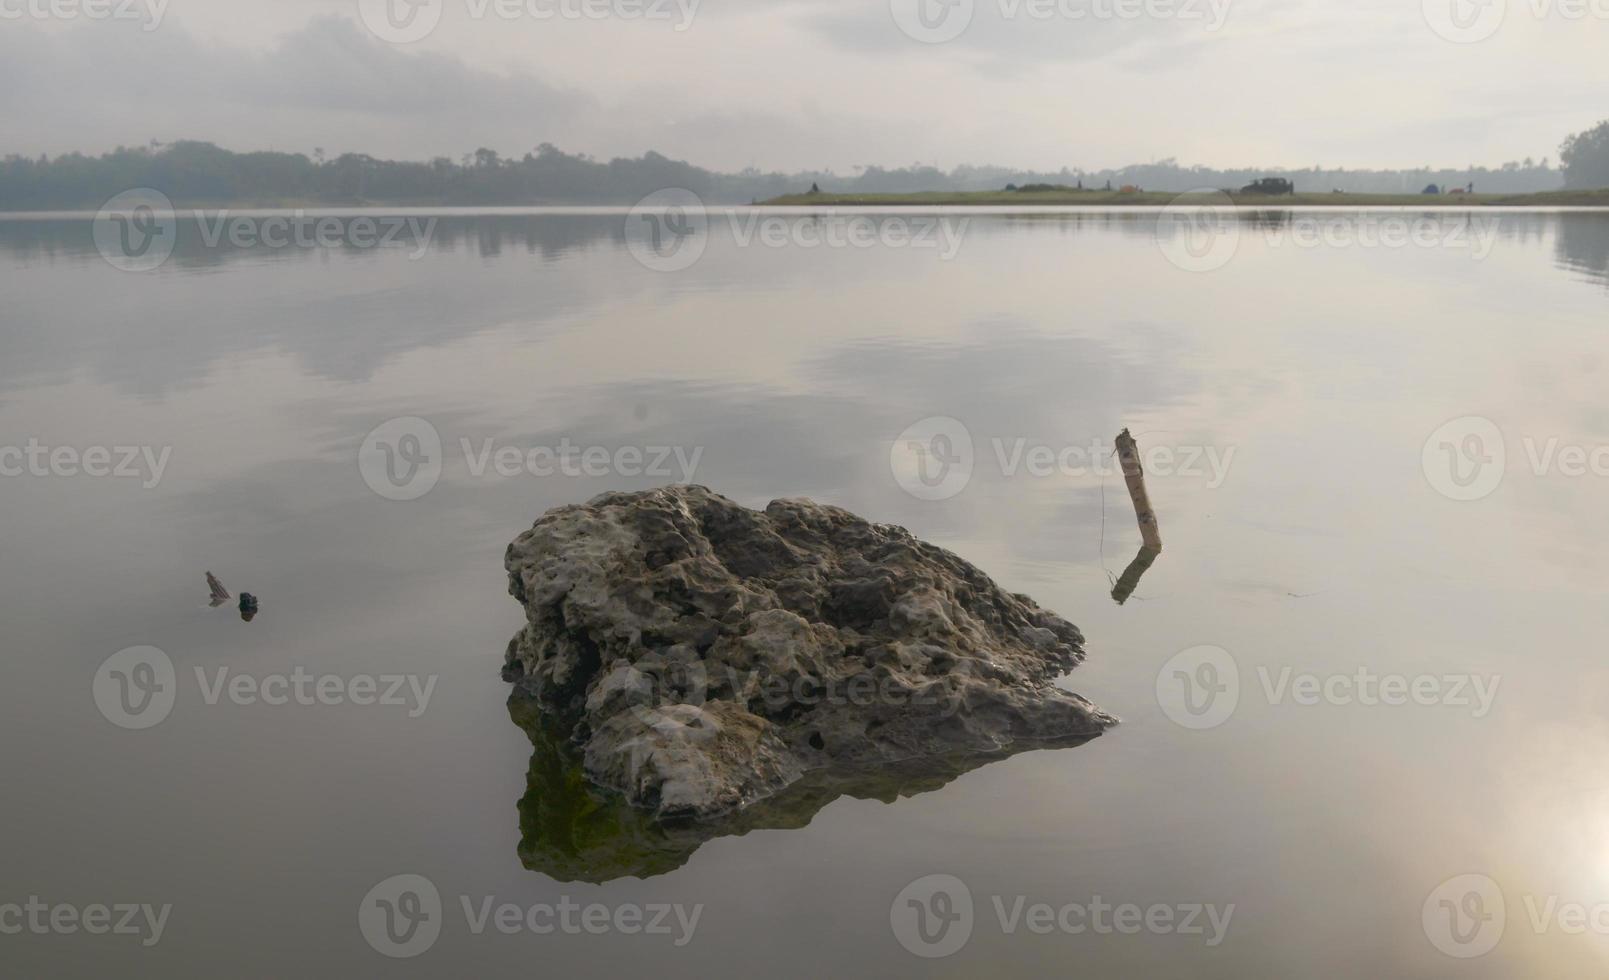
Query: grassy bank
point(1158, 199)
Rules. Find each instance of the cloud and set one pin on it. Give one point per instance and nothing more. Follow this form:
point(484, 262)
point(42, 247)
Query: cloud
point(1011, 35)
point(326, 84)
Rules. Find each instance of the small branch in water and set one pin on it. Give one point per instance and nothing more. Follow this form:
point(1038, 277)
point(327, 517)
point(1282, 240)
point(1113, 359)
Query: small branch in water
point(219, 595)
point(1128, 453)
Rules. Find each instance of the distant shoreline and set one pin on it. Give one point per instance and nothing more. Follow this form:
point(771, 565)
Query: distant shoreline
point(1026, 200)
point(1162, 199)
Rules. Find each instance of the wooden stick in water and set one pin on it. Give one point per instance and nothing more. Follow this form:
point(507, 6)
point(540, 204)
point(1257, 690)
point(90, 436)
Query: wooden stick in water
point(1128, 454)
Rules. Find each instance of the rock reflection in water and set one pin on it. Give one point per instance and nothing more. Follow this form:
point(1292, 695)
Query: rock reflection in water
point(571, 830)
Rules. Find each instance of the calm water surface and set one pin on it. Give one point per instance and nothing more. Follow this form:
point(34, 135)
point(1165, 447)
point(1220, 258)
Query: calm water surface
point(1324, 550)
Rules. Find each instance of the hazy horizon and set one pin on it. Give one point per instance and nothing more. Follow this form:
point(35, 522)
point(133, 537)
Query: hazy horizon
point(1547, 161)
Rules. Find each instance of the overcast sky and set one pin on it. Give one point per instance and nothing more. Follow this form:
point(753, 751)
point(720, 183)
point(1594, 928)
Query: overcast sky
point(792, 84)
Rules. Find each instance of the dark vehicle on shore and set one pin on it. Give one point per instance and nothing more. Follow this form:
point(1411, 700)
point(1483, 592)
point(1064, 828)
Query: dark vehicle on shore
point(1272, 186)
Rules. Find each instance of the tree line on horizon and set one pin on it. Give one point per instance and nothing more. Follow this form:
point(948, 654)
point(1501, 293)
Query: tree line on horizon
point(192, 172)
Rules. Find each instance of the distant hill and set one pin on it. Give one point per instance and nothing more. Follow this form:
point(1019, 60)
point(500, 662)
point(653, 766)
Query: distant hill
point(197, 174)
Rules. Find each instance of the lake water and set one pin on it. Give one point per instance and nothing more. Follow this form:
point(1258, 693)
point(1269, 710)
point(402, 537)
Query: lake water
point(1327, 399)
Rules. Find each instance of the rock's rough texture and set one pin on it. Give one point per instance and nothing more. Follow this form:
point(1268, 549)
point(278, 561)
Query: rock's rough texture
point(706, 656)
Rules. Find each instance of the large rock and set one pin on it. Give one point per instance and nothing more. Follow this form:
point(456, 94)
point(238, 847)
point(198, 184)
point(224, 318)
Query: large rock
point(705, 656)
